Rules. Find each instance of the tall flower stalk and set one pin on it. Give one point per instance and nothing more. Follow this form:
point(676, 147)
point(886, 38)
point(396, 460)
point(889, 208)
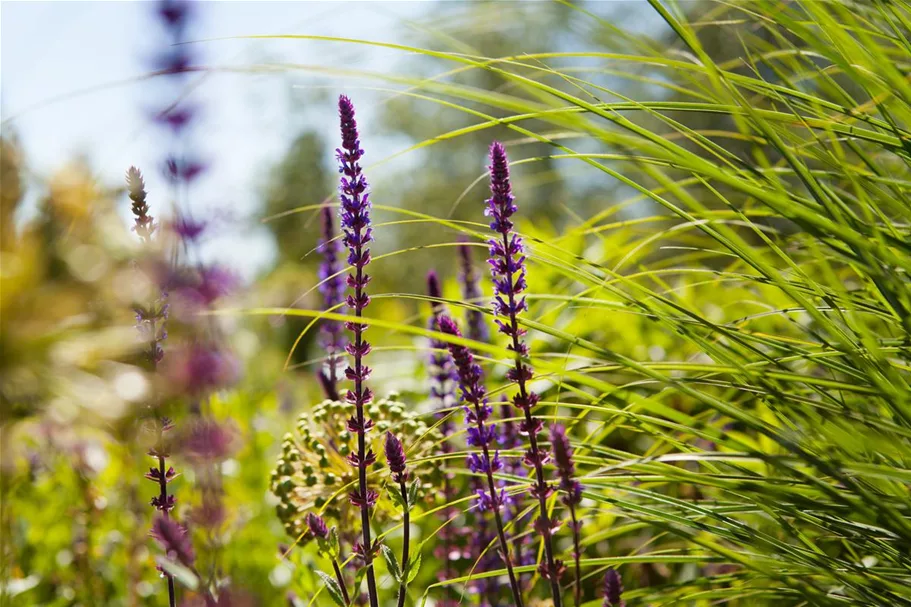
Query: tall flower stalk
point(442, 391)
point(395, 458)
point(151, 324)
point(355, 220)
point(572, 495)
point(507, 264)
point(482, 435)
point(332, 287)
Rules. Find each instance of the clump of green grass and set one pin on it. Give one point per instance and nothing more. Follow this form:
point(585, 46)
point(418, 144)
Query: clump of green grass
point(732, 363)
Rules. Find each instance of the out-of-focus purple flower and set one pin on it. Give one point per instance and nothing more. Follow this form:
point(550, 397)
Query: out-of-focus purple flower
point(176, 118)
point(201, 287)
point(201, 368)
point(174, 13)
point(184, 170)
point(476, 328)
point(332, 287)
point(208, 441)
point(442, 371)
point(174, 538)
point(188, 229)
point(210, 513)
point(566, 467)
point(395, 458)
point(613, 589)
point(317, 525)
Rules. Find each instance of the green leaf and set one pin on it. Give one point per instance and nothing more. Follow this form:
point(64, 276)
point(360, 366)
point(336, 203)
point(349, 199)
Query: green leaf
point(391, 562)
point(412, 494)
point(332, 586)
point(396, 497)
point(333, 543)
point(413, 567)
point(183, 575)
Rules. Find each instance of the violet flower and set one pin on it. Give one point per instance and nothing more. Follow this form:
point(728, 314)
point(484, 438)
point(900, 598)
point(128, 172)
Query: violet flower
point(162, 476)
point(332, 287)
point(481, 435)
point(507, 263)
point(317, 527)
point(175, 540)
point(355, 220)
point(476, 328)
point(613, 589)
point(572, 494)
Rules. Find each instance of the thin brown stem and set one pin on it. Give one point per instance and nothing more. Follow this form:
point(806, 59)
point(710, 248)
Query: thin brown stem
point(341, 581)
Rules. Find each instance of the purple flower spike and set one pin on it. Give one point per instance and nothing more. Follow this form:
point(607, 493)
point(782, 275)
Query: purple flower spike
point(507, 266)
point(332, 287)
point(613, 588)
point(174, 538)
point(144, 223)
point(357, 234)
point(572, 494)
point(395, 457)
point(317, 525)
point(476, 328)
point(481, 435)
point(563, 458)
point(442, 372)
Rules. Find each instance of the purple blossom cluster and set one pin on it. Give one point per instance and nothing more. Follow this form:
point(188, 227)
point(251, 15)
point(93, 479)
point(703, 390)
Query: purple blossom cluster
point(482, 435)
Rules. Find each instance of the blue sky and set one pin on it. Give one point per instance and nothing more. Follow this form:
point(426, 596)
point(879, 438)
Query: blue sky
point(71, 83)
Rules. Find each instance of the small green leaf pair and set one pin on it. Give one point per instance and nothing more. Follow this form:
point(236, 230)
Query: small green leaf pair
point(392, 564)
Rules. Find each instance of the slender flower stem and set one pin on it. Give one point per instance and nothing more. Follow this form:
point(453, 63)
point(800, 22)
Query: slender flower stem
point(577, 555)
point(475, 394)
point(341, 581)
point(406, 526)
point(163, 496)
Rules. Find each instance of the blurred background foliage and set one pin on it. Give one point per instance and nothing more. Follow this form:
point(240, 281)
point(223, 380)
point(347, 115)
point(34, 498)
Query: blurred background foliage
point(733, 363)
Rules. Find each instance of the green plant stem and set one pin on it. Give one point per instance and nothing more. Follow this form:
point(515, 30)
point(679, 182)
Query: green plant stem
point(406, 524)
point(577, 553)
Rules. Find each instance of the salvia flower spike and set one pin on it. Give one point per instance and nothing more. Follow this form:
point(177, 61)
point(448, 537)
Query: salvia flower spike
point(613, 589)
point(507, 265)
point(332, 287)
point(481, 435)
point(475, 327)
point(151, 325)
point(572, 494)
point(357, 235)
point(395, 459)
